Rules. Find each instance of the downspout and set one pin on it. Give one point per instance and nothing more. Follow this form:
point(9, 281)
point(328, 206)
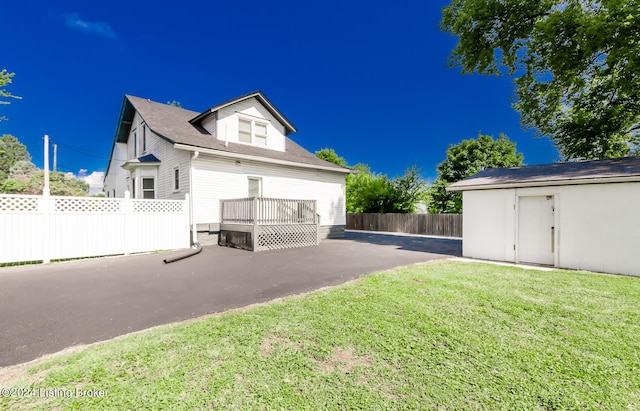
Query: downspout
point(194, 233)
point(194, 230)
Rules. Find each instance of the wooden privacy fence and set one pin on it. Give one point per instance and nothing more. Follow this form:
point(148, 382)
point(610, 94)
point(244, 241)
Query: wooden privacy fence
point(44, 228)
point(446, 225)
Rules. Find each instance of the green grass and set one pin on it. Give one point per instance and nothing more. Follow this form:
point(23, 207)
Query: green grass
point(445, 336)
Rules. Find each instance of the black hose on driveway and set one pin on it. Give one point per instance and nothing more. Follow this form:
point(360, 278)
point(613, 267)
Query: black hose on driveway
point(198, 249)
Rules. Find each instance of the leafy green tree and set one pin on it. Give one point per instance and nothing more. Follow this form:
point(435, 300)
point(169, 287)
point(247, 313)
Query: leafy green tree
point(11, 151)
point(367, 192)
point(5, 78)
point(409, 189)
point(576, 66)
point(330, 155)
point(60, 184)
point(465, 159)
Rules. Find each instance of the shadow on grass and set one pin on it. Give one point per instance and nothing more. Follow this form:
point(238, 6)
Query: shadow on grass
point(446, 246)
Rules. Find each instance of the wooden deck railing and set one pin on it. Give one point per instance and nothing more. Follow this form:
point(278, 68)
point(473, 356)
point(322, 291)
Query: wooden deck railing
point(263, 211)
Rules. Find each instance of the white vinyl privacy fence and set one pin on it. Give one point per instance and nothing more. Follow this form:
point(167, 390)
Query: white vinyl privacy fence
point(44, 228)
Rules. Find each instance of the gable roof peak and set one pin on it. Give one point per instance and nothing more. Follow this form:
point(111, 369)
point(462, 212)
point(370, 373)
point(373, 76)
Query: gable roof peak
point(262, 99)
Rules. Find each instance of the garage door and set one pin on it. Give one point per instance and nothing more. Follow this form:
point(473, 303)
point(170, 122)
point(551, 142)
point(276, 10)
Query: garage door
point(536, 230)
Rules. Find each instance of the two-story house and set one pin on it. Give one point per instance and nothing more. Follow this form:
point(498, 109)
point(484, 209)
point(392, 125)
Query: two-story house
point(236, 149)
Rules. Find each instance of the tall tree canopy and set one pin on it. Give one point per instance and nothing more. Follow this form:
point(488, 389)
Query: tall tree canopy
point(11, 152)
point(330, 155)
point(576, 65)
point(465, 159)
point(368, 192)
point(5, 78)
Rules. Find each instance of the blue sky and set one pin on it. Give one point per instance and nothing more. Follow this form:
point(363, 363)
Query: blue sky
point(369, 79)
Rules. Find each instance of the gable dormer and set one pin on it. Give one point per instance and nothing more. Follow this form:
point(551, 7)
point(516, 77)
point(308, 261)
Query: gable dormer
point(250, 119)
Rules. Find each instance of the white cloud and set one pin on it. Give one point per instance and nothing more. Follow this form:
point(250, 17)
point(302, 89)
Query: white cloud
point(94, 180)
point(75, 22)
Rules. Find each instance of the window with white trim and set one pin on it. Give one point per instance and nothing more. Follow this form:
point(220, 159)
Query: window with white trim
point(260, 134)
point(135, 143)
point(252, 132)
point(244, 131)
point(255, 187)
point(144, 138)
point(176, 179)
point(148, 188)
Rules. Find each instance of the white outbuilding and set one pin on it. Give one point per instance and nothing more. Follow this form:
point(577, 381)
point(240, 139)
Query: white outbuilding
point(579, 215)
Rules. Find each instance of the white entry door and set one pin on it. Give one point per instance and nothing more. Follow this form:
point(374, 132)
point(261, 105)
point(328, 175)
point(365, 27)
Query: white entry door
point(536, 243)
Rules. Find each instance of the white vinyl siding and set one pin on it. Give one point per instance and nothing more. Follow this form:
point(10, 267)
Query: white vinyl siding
point(227, 125)
point(169, 157)
point(115, 180)
point(216, 179)
point(170, 160)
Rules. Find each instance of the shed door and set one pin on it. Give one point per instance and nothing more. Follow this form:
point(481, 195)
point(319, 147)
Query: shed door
point(536, 230)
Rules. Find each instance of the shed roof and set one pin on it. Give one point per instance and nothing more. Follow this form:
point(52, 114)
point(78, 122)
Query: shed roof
point(580, 172)
point(180, 127)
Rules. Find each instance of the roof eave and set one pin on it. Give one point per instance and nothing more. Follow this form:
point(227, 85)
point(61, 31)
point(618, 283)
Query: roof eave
point(239, 156)
point(602, 180)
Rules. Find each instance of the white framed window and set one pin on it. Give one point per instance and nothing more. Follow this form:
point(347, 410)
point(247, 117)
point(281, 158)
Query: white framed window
point(135, 143)
point(176, 179)
point(244, 131)
point(144, 138)
point(255, 187)
point(260, 134)
point(148, 188)
point(252, 132)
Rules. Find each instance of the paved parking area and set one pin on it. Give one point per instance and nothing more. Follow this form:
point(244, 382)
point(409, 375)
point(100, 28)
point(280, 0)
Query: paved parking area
point(44, 309)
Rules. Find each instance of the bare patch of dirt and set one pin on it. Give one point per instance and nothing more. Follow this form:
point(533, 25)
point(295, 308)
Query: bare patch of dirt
point(20, 372)
point(344, 360)
point(271, 343)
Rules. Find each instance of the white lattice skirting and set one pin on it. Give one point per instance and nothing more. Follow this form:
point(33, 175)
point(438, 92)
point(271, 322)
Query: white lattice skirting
point(275, 237)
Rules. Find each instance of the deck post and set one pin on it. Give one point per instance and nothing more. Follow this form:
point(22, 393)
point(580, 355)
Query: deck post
point(254, 235)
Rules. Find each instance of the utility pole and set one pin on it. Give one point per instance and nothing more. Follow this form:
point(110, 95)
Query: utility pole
point(55, 157)
point(46, 191)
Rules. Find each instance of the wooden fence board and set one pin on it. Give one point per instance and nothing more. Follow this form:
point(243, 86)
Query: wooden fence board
point(445, 225)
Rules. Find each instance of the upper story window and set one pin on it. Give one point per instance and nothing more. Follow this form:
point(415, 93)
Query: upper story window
point(244, 131)
point(144, 138)
point(135, 143)
point(252, 132)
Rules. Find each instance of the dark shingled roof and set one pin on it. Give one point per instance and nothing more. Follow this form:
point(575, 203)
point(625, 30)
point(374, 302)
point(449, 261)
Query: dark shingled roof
point(149, 158)
point(173, 124)
point(552, 174)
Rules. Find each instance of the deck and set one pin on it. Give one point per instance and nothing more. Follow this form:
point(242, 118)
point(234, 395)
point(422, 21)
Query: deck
point(258, 223)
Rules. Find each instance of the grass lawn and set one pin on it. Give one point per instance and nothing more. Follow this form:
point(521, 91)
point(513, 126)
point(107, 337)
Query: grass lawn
point(443, 335)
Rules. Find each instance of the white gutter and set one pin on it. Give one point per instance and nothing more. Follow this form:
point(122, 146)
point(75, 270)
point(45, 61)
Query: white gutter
point(194, 231)
point(601, 180)
point(258, 159)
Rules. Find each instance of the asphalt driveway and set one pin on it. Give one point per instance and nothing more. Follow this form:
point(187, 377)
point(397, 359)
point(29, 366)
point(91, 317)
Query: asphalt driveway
point(44, 309)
